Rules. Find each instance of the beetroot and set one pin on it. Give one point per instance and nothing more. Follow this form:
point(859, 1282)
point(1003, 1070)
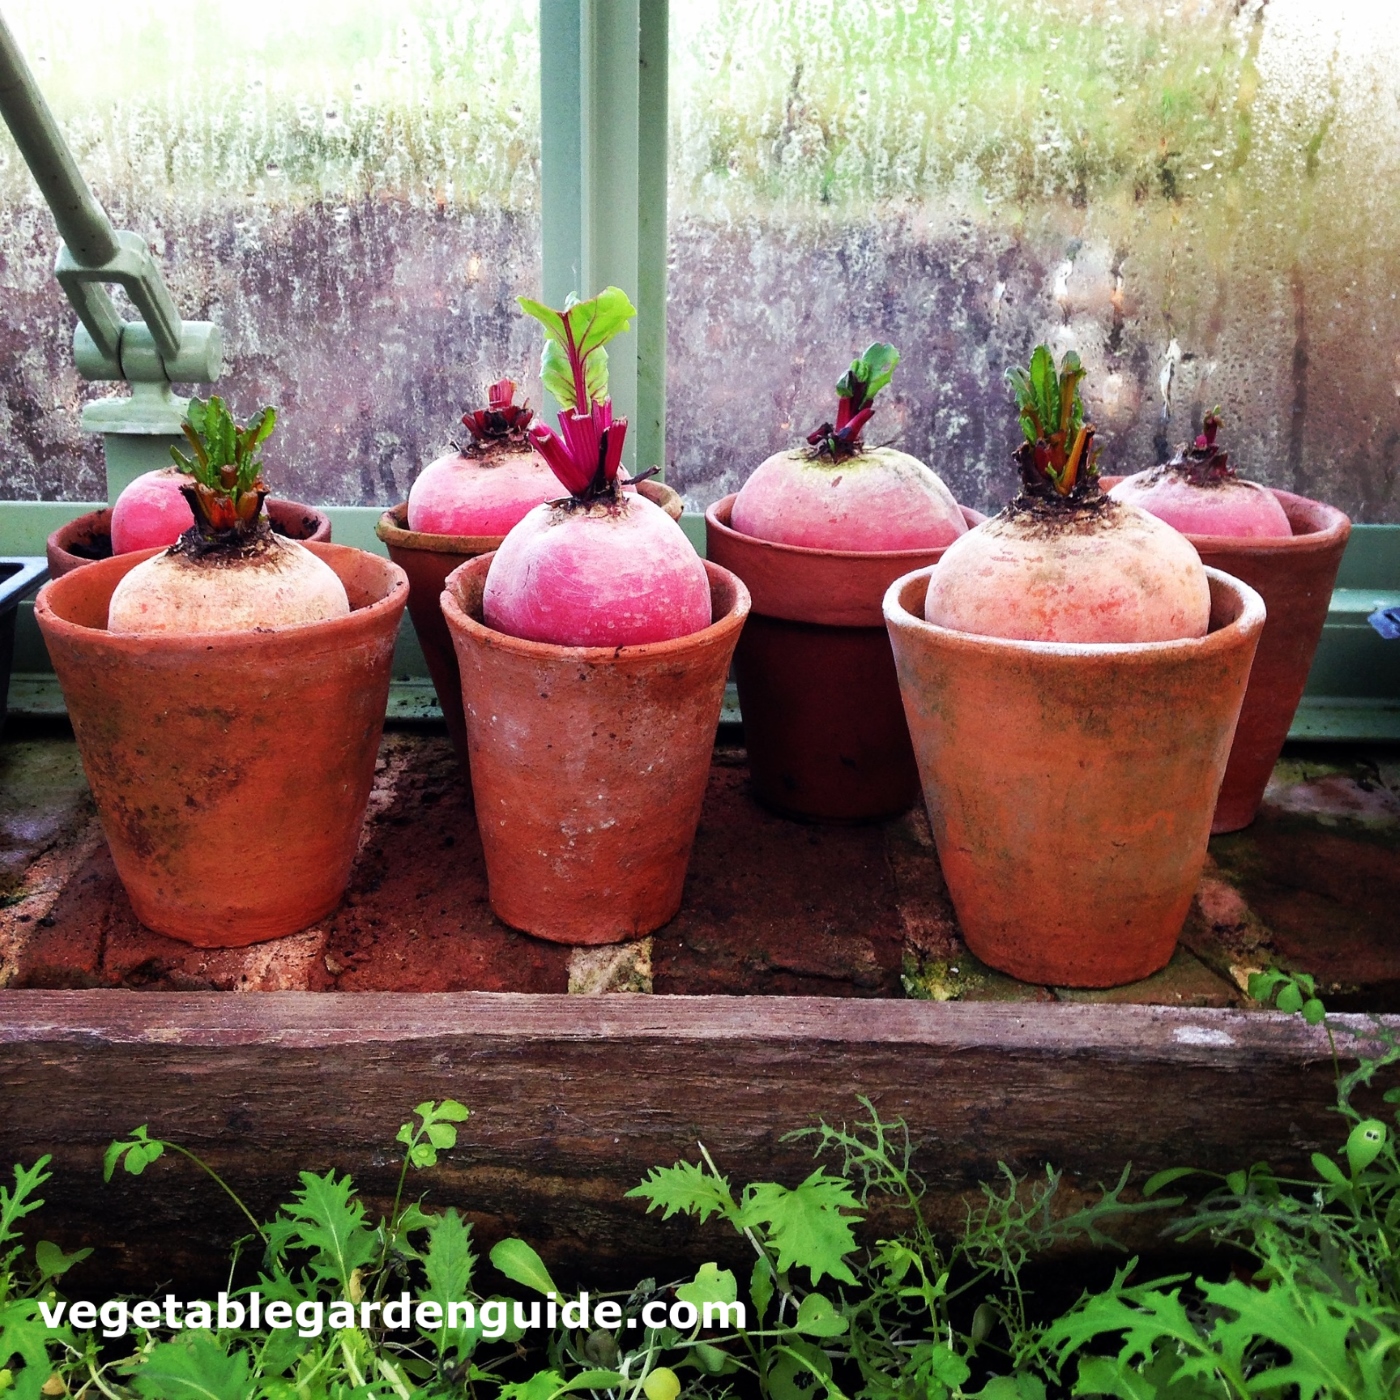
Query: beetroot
point(489, 484)
point(840, 494)
point(1199, 493)
point(600, 567)
point(228, 572)
point(151, 511)
point(1063, 562)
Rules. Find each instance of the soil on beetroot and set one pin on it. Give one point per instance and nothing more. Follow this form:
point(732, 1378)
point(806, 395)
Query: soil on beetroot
point(771, 906)
point(97, 544)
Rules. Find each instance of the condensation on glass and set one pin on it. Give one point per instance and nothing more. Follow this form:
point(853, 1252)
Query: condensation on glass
point(350, 187)
point(1202, 198)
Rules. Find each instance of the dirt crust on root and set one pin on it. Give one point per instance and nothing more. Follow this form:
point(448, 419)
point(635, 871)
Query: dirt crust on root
point(1060, 515)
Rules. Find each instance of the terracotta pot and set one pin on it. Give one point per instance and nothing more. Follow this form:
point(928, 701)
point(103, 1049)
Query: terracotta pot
point(230, 770)
point(1070, 785)
point(427, 559)
point(89, 537)
point(589, 764)
point(1295, 578)
point(823, 721)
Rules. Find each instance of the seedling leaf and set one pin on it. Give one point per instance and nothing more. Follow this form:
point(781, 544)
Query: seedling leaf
point(53, 1262)
point(817, 1317)
point(327, 1218)
point(519, 1263)
point(806, 1225)
point(136, 1153)
point(687, 1189)
point(194, 1368)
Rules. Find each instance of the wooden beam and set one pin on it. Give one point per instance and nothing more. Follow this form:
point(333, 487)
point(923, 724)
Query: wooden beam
point(574, 1098)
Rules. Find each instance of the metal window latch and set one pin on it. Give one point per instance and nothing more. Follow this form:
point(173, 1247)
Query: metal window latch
point(158, 348)
point(149, 354)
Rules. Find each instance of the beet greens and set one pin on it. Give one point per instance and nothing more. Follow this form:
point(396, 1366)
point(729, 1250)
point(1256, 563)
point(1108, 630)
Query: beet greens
point(856, 390)
point(504, 423)
point(1057, 459)
point(586, 452)
point(1203, 463)
point(228, 490)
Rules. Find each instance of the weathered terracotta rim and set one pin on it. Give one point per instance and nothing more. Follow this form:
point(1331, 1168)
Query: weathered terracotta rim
point(1223, 588)
point(1334, 525)
point(392, 529)
point(719, 513)
point(336, 631)
point(459, 617)
point(392, 526)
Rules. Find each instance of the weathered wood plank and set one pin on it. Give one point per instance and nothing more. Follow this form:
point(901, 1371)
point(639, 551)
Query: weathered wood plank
point(574, 1098)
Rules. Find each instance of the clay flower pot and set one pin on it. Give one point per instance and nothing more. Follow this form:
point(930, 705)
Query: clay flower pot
point(230, 770)
point(823, 721)
point(1295, 578)
point(427, 559)
point(589, 764)
point(89, 537)
point(1071, 785)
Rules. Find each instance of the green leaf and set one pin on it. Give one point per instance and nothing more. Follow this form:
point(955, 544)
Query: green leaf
point(1045, 389)
point(1018, 1387)
point(543, 1385)
point(817, 1317)
point(194, 1368)
point(760, 1289)
point(326, 1218)
point(1316, 1330)
point(519, 1263)
point(1290, 998)
point(1314, 1013)
point(578, 334)
point(1364, 1144)
point(938, 1369)
point(879, 361)
point(448, 1265)
point(1165, 1178)
point(806, 1225)
point(19, 1201)
point(53, 1262)
point(218, 441)
point(596, 1380)
point(868, 374)
point(795, 1367)
point(23, 1334)
point(1145, 1317)
point(435, 1133)
point(1100, 1375)
point(449, 1260)
point(1328, 1170)
point(557, 374)
point(710, 1285)
point(713, 1360)
point(136, 1153)
point(687, 1189)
